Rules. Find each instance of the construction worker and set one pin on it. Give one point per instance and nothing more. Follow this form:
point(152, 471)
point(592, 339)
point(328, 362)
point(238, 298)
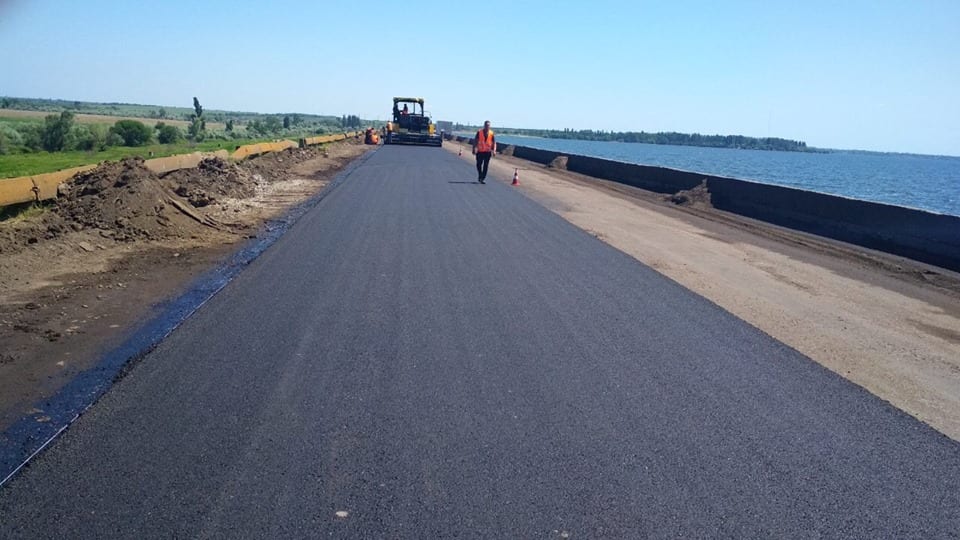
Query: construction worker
point(484, 147)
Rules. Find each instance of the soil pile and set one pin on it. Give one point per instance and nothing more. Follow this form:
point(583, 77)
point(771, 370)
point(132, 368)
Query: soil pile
point(213, 180)
point(559, 162)
point(268, 165)
point(698, 196)
point(126, 202)
point(122, 201)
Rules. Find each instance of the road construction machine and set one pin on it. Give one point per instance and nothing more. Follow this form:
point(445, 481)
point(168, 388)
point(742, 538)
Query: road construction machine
point(411, 125)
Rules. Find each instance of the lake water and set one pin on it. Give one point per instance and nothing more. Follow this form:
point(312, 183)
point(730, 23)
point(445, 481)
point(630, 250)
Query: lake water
point(926, 182)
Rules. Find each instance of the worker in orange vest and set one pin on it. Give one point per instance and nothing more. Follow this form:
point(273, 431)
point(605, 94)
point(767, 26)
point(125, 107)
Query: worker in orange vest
point(484, 147)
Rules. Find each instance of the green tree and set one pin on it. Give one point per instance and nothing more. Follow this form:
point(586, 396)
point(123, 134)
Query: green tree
point(56, 132)
point(113, 139)
point(132, 132)
point(32, 135)
point(168, 134)
point(161, 112)
point(90, 137)
point(286, 122)
point(195, 131)
point(10, 139)
point(230, 125)
point(198, 124)
point(5, 103)
point(273, 124)
point(99, 133)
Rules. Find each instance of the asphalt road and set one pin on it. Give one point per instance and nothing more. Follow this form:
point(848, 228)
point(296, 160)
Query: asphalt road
point(435, 358)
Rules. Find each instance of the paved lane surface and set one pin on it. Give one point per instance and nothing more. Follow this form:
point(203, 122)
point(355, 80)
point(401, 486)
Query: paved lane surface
point(430, 357)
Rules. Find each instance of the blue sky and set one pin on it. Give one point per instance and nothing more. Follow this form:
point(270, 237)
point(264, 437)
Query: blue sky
point(878, 75)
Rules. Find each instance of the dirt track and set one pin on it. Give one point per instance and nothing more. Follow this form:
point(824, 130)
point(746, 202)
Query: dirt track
point(886, 323)
point(75, 278)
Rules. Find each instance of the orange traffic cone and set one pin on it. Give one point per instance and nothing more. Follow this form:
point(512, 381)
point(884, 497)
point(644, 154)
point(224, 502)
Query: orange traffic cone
point(516, 177)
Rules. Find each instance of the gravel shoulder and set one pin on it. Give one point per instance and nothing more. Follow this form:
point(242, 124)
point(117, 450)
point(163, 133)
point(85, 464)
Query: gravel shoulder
point(888, 324)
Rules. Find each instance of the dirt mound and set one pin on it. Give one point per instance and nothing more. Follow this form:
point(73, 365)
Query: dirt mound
point(559, 162)
point(507, 150)
point(272, 167)
point(122, 201)
point(213, 179)
point(698, 196)
point(18, 233)
point(125, 201)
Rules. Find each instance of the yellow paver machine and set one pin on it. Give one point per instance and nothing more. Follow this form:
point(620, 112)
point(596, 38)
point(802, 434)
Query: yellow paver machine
point(411, 125)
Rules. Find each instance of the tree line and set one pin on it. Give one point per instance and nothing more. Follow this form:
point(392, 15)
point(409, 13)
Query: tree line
point(159, 112)
point(61, 132)
point(672, 138)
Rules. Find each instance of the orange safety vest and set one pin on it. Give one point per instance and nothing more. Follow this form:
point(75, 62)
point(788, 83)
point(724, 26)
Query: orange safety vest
point(484, 144)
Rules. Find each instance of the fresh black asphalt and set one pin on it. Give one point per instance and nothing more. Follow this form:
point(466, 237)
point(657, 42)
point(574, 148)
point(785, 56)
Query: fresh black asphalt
point(433, 358)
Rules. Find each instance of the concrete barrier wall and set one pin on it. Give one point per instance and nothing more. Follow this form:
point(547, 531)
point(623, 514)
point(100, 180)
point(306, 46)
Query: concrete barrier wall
point(543, 157)
point(38, 187)
point(181, 161)
point(47, 183)
point(251, 150)
point(916, 234)
point(17, 190)
point(324, 139)
point(658, 179)
point(313, 141)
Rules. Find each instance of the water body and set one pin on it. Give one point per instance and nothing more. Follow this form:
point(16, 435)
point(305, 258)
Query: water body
point(926, 182)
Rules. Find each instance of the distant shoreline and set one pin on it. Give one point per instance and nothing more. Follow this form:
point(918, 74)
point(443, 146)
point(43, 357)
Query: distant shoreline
point(809, 150)
point(739, 142)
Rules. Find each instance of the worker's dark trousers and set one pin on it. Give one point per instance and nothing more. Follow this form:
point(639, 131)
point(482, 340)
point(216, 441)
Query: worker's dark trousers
point(483, 163)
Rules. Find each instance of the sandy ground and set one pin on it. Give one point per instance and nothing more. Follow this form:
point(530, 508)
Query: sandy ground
point(886, 323)
point(66, 300)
